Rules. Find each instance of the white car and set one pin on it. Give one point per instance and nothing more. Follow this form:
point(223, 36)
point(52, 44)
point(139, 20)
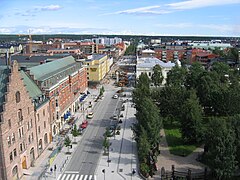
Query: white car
point(90, 115)
point(115, 96)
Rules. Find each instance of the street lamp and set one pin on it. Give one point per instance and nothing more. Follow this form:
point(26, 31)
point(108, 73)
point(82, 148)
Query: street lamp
point(103, 171)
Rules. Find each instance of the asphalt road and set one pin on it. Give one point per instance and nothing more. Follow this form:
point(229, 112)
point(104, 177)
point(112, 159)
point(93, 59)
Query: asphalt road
point(85, 158)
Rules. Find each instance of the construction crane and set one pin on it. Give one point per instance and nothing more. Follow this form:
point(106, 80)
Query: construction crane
point(30, 42)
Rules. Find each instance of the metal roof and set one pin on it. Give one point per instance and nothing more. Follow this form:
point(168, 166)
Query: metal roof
point(151, 62)
point(50, 68)
point(32, 88)
point(4, 73)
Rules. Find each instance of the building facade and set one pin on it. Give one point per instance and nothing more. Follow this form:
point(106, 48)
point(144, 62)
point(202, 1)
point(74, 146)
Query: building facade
point(17, 124)
point(62, 81)
point(97, 67)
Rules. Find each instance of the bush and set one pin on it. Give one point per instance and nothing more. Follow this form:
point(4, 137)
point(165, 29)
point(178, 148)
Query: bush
point(144, 169)
point(118, 133)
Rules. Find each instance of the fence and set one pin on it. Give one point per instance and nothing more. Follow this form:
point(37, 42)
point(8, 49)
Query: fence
point(187, 175)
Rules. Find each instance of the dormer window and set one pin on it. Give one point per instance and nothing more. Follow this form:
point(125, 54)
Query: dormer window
point(17, 96)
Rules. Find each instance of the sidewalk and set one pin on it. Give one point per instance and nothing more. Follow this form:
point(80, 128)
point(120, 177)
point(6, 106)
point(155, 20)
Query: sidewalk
point(123, 151)
point(41, 165)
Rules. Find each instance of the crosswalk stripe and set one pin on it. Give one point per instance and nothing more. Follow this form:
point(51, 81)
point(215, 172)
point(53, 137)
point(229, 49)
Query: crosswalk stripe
point(63, 176)
point(77, 176)
point(90, 177)
point(81, 177)
point(86, 176)
point(68, 176)
point(59, 177)
point(73, 175)
point(95, 177)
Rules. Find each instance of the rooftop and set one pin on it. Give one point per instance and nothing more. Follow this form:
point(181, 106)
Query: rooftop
point(96, 57)
point(4, 73)
point(151, 62)
point(42, 71)
point(31, 86)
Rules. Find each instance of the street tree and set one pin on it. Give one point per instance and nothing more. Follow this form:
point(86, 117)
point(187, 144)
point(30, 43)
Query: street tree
point(157, 76)
point(67, 143)
point(75, 132)
point(177, 76)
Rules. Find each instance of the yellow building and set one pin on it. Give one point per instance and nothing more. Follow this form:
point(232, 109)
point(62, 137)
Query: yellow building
point(97, 66)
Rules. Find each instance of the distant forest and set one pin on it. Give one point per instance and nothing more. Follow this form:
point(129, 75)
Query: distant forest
point(17, 38)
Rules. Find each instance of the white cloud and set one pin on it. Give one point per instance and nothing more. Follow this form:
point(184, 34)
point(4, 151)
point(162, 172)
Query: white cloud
point(191, 4)
point(143, 10)
point(221, 28)
point(50, 8)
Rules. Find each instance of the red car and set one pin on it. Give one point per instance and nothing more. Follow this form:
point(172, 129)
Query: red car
point(84, 124)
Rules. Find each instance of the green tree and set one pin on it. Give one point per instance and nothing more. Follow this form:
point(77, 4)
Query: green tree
point(106, 144)
point(75, 132)
point(177, 76)
point(191, 122)
point(235, 121)
point(157, 76)
point(67, 142)
point(131, 49)
point(143, 146)
point(220, 140)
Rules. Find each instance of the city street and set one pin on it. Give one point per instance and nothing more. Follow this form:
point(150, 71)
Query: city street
point(85, 158)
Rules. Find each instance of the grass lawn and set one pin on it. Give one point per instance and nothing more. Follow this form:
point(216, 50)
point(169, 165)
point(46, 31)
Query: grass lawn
point(175, 141)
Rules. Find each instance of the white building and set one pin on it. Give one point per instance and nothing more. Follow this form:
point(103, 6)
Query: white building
point(145, 65)
point(210, 45)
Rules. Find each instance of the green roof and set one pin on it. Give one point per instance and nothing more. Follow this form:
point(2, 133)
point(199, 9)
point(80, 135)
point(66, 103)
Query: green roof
point(4, 73)
point(32, 88)
point(43, 71)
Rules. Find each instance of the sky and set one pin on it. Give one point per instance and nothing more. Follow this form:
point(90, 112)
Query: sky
point(123, 17)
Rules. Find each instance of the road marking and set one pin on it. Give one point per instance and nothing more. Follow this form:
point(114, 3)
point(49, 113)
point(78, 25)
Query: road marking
point(77, 176)
point(90, 177)
point(95, 177)
point(86, 176)
point(75, 172)
point(68, 176)
point(73, 175)
point(81, 177)
point(63, 176)
point(59, 177)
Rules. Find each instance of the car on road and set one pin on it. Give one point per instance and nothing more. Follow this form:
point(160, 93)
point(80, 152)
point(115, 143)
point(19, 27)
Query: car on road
point(84, 124)
point(90, 115)
point(115, 117)
point(115, 96)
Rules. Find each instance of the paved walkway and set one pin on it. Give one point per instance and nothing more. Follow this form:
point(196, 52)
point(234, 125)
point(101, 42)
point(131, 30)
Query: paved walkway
point(123, 151)
point(166, 160)
point(41, 165)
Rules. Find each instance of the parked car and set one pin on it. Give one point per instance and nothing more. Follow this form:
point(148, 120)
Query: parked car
point(90, 115)
point(115, 96)
point(84, 124)
point(115, 117)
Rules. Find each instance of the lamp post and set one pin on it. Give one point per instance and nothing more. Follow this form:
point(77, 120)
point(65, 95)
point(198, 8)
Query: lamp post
point(103, 171)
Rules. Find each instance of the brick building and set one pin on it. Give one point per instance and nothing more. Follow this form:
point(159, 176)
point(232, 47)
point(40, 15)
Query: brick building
point(19, 139)
point(63, 81)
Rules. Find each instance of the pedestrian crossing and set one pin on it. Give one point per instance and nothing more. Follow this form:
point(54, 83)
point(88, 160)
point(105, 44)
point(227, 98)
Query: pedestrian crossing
point(76, 176)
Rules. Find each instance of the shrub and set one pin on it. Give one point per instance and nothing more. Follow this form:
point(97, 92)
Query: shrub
point(144, 169)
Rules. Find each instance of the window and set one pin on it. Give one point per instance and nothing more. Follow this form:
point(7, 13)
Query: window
point(20, 117)
point(15, 152)
point(38, 117)
point(9, 123)
point(44, 112)
point(22, 131)
point(149, 73)
point(44, 123)
point(28, 110)
point(9, 140)
point(21, 147)
point(28, 126)
point(11, 156)
point(29, 139)
point(17, 95)
point(31, 124)
point(19, 133)
point(32, 136)
point(39, 129)
point(13, 138)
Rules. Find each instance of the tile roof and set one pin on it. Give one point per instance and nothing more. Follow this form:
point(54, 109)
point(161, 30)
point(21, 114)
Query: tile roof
point(32, 88)
point(43, 71)
point(4, 73)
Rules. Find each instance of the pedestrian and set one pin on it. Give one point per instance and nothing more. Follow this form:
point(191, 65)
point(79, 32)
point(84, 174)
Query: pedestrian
point(55, 167)
point(51, 170)
point(133, 171)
